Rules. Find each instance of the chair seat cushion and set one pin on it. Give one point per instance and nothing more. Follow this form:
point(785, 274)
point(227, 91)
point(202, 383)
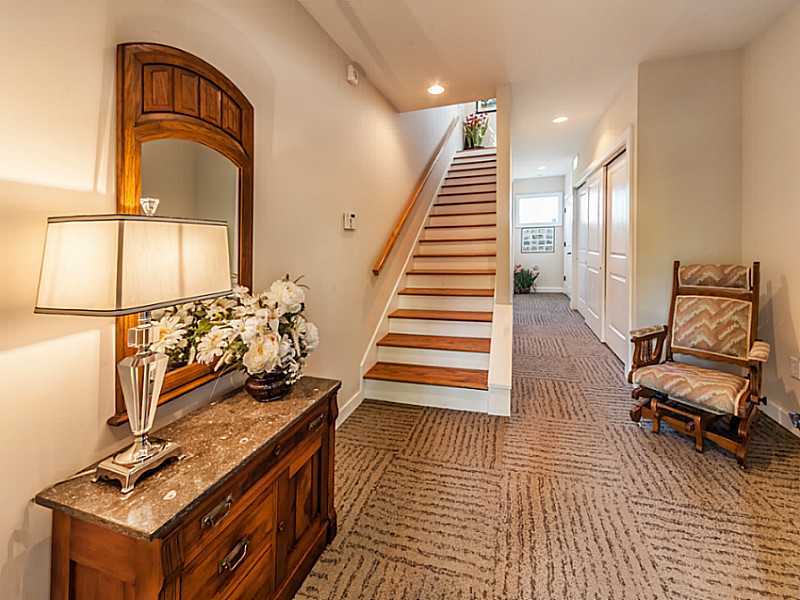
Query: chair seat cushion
point(714, 391)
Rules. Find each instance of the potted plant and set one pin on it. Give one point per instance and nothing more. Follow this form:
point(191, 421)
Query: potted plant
point(475, 126)
point(267, 335)
point(525, 279)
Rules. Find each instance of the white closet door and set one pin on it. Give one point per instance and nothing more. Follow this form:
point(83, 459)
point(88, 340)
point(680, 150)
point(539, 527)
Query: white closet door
point(567, 229)
point(617, 323)
point(582, 194)
point(595, 254)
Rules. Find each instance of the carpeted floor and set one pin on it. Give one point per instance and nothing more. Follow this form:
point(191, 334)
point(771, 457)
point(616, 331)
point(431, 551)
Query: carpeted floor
point(566, 499)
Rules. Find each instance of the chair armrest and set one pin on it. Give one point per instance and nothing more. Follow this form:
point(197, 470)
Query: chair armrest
point(647, 332)
point(759, 353)
point(648, 346)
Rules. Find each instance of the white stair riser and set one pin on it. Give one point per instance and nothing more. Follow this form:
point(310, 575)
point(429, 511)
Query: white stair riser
point(449, 233)
point(450, 281)
point(469, 160)
point(468, 187)
point(475, 179)
point(476, 152)
point(458, 262)
point(464, 208)
point(467, 171)
point(434, 358)
point(427, 395)
point(448, 198)
point(462, 220)
point(447, 247)
point(477, 303)
point(446, 328)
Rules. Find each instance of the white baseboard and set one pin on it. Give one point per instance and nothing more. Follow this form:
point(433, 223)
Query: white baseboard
point(549, 289)
point(346, 409)
point(780, 416)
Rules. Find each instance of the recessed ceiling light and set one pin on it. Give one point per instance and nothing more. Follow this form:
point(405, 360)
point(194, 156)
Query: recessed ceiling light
point(436, 89)
point(561, 119)
point(542, 167)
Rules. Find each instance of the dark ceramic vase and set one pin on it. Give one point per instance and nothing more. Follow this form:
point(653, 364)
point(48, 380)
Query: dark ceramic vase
point(267, 387)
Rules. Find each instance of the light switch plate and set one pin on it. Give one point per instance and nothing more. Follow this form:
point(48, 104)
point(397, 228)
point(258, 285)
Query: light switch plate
point(349, 220)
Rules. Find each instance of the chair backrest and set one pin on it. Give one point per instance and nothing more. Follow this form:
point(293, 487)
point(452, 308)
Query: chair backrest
point(714, 311)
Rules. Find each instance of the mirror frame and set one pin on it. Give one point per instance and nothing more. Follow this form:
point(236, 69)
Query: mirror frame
point(164, 92)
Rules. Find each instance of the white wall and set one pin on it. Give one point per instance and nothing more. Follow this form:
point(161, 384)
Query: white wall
point(689, 171)
point(551, 266)
point(321, 147)
point(504, 282)
point(770, 202)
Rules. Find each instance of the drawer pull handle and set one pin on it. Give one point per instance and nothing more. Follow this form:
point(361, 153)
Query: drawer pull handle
point(282, 526)
point(316, 422)
point(219, 512)
point(277, 451)
point(235, 557)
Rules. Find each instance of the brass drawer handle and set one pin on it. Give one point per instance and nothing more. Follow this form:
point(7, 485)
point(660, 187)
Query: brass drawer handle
point(316, 422)
point(216, 514)
point(282, 526)
point(277, 451)
point(235, 557)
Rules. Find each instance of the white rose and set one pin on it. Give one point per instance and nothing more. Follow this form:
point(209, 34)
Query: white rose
point(288, 295)
point(262, 355)
point(311, 337)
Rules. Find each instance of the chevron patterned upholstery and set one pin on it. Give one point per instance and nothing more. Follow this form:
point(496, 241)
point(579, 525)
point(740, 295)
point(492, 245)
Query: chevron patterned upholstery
point(722, 276)
point(712, 324)
point(714, 391)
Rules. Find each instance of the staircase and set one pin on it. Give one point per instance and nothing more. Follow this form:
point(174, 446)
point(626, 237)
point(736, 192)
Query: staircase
point(437, 349)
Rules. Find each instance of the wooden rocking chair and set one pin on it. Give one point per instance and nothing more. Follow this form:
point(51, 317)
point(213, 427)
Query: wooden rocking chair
point(713, 316)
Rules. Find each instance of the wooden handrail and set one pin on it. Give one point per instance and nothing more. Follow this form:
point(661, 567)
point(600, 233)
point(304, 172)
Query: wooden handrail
point(412, 200)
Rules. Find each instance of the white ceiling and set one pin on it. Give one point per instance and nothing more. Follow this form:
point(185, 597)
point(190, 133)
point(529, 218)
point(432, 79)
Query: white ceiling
point(561, 56)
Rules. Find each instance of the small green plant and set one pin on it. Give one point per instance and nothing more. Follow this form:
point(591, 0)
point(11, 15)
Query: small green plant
point(525, 279)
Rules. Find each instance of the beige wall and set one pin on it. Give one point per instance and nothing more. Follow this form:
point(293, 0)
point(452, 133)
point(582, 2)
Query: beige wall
point(688, 175)
point(770, 203)
point(321, 147)
point(612, 125)
point(551, 266)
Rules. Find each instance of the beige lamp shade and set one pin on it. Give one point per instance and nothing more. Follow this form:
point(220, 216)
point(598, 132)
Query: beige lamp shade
point(109, 265)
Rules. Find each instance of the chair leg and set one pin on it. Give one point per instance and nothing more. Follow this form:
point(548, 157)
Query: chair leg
point(656, 416)
point(698, 433)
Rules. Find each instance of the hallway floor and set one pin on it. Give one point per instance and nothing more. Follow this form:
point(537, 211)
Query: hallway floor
point(566, 499)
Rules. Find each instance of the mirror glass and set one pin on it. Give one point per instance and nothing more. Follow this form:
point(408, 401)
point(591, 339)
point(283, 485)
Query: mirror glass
point(193, 181)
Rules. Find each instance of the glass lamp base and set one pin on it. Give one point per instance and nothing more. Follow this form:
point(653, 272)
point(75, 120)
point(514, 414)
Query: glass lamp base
point(119, 468)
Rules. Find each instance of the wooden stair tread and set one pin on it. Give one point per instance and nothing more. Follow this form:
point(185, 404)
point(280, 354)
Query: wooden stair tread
point(464, 292)
point(457, 226)
point(436, 342)
point(474, 316)
point(479, 239)
point(454, 168)
point(467, 214)
point(465, 193)
point(463, 202)
point(475, 379)
point(451, 272)
point(456, 254)
point(460, 185)
point(474, 160)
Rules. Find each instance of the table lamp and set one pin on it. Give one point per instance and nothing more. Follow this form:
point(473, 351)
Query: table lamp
point(113, 265)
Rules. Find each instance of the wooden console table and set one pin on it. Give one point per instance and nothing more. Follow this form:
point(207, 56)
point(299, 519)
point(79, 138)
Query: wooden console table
point(245, 512)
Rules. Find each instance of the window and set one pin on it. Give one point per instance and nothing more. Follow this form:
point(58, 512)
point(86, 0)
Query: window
point(538, 209)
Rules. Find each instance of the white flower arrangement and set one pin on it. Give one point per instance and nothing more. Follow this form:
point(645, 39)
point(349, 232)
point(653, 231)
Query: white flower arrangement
point(263, 334)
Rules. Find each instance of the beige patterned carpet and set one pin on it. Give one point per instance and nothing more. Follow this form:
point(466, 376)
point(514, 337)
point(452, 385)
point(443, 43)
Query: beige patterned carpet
point(566, 499)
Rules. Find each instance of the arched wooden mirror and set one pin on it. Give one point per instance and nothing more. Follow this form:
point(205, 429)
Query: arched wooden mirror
point(185, 136)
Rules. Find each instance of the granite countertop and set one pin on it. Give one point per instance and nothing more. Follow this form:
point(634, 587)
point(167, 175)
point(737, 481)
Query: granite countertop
point(217, 441)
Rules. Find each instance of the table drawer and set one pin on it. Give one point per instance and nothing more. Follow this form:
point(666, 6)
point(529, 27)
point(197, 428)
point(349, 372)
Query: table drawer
point(236, 550)
point(212, 517)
